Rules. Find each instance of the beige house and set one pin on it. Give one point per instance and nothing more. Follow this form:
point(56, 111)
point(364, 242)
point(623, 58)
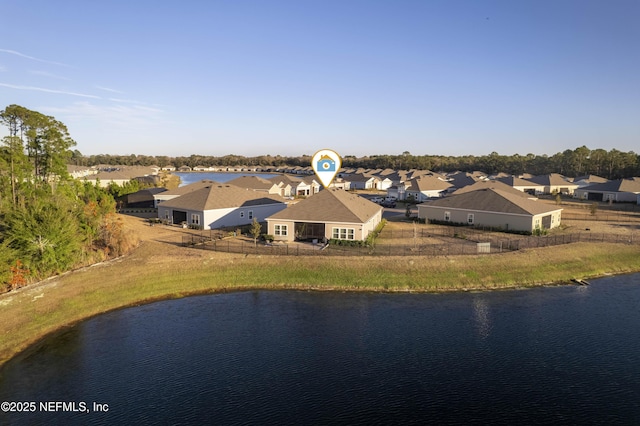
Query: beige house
point(332, 213)
point(492, 208)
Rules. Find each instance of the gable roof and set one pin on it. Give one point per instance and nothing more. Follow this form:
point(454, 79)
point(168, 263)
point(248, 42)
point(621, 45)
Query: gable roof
point(181, 190)
point(286, 179)
point(493, 200)
point(252, 182)
point(427, 183)
point(491, 184)
point(620, 185)
point(591, 179)
point(361, 177)
point(220, 196)
point(552, 179)
point(516, 181)
point(330, 205)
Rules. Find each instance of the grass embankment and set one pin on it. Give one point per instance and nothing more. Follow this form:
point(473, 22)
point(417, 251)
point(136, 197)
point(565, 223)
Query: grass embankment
point(157, 271)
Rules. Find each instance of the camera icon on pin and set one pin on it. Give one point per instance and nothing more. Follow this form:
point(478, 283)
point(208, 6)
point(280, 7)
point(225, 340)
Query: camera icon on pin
point(326, 164)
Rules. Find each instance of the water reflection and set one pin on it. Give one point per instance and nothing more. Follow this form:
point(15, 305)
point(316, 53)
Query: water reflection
point(481, 316)
point(546, 355)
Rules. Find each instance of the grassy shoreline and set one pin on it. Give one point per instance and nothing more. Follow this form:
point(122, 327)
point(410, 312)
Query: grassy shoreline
point(157, 271)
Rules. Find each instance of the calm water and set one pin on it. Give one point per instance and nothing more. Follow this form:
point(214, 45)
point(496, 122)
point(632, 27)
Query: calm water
point(560, 355)
point(187, 178)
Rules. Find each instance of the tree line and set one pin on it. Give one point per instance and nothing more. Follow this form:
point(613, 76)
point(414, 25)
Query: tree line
point(581, 161)
point(49, 222)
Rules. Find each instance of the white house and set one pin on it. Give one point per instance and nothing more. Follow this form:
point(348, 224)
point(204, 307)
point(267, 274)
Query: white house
point(219, 206)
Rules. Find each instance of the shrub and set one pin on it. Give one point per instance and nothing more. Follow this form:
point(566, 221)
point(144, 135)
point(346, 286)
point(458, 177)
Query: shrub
point(371, 238)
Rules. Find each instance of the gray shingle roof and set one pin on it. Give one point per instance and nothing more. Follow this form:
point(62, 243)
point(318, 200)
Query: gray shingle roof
point(330, 205)
point(493, 200)
point(553, 179)
point(620, 185)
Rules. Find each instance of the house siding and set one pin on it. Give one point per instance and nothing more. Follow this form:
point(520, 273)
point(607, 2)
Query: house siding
point(361, 230)
point(220, 218)
point(511, 222)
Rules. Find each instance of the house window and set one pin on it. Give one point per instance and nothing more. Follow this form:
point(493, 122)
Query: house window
point(470, 218)
point(343, 233)
point(195, 219)
point(280, 230)
point(241, 213)
point(447, 216)
point(250, 214)
point(166, 214)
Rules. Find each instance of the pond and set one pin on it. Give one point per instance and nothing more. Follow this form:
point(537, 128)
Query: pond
point(568, 354)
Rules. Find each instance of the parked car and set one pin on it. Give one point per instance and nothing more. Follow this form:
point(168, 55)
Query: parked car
point(390, 204)
point(377, 199)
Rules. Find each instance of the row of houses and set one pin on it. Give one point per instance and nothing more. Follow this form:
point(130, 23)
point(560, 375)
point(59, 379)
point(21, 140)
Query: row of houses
point(334, 213)
point(504, 202)
point(415, 185)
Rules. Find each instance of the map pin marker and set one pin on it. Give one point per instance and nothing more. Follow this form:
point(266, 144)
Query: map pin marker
point(326, 164)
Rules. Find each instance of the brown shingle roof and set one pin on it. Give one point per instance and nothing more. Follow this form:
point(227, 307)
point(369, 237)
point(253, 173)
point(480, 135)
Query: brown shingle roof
point(491, 184)
point(493, 200)
point(427, 183)
point(220, 196)
point(191, 187)
point(330, 205)
point(516, 181)
point(252, 182)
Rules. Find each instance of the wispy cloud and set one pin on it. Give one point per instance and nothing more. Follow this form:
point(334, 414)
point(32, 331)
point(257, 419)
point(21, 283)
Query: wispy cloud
point(42, 89)
point(113, 117)
point(47, 74)
point(107, 89)
point(22, 55)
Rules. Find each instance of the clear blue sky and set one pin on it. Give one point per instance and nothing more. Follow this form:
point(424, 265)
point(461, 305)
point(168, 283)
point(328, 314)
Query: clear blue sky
point(446, 77)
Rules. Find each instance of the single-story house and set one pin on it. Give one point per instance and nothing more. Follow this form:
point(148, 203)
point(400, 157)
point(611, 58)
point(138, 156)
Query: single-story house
point(298, 186)
point(555, 183)
point(521, 184)
point(425, 187)
point(309, 186)
point(363, 181)
point(492, 208)
point(621, 190)
point(332, 213)
point(219, 206)
point(587, 180)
